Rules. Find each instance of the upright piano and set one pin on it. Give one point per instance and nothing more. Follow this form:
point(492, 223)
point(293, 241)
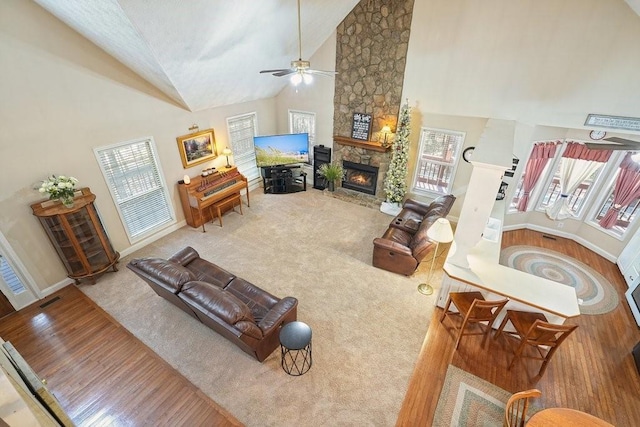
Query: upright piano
point(202, 192)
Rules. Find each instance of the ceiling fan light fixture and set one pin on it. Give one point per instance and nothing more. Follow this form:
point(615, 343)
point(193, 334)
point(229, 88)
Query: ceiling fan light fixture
point(307, 78)
point(296, 79)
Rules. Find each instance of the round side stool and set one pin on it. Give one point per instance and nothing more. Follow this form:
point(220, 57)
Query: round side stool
point(295, 348)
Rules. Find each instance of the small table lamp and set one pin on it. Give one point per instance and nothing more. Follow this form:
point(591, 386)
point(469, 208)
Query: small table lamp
point(440, 232)
point(227, 152)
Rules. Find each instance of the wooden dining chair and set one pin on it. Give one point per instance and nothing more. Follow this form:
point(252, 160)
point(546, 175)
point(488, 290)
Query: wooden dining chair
point(533, 330)
point(473, 309)
point(515, 413)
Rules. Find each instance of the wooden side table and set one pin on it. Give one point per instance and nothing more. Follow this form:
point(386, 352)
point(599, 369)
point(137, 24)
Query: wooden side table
point(295, 348)
point(230, 200)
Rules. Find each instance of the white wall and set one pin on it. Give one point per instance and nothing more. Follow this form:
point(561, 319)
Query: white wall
point(542, 63)
point(61, 96)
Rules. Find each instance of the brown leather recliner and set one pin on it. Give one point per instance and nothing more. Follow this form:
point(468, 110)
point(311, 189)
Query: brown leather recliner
point(405, 243)
point(246, 315)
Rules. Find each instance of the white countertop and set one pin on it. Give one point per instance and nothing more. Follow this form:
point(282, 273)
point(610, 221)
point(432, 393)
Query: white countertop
point(485, 272)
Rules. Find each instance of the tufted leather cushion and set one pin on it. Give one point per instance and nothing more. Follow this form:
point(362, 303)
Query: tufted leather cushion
point(212, 300)
point(258, 300)
point(207, 272)
point(171, 274)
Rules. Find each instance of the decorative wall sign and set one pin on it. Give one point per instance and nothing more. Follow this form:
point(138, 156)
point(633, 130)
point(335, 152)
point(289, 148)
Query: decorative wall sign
point(361, 126)
point(613, 122)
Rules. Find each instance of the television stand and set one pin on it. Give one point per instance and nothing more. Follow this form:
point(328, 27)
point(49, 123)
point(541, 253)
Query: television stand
point(282, 179)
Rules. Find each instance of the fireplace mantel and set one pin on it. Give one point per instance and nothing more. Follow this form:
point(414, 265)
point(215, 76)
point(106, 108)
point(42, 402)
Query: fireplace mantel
point(367, 145)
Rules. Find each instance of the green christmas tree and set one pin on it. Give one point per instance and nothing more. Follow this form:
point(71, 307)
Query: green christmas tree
point(395, 183)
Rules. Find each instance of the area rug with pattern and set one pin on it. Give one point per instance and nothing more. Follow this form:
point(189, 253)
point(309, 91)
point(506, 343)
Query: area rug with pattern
point(595, 293)
point(469, 401)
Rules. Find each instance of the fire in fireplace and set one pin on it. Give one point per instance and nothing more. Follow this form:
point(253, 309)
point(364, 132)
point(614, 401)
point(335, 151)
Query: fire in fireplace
point(359, 177)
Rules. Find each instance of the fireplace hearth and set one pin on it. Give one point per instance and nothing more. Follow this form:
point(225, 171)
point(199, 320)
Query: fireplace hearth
point(360, 177)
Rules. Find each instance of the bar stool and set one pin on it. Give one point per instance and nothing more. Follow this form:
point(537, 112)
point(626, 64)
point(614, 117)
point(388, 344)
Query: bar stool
point(475, 309)
point(532, 329)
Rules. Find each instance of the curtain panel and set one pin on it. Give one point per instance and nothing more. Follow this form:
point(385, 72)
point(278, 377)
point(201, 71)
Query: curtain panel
point(577, 164)
point(540, 155)
point(625, 191)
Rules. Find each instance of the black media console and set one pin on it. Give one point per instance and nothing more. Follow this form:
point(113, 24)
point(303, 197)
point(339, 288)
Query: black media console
point(283, 179)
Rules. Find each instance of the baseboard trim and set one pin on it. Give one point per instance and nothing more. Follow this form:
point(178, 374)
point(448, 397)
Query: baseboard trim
point(554, 232)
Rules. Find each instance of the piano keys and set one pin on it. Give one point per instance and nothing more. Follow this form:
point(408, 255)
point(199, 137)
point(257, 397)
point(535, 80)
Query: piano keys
point(202, 193)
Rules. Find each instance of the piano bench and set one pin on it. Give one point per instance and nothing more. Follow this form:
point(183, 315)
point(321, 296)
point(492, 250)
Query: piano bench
point(230, 200)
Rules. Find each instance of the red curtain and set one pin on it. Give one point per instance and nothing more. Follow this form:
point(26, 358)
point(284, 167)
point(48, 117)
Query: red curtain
point(539, 158)
point(626, 190)
point(576, 150)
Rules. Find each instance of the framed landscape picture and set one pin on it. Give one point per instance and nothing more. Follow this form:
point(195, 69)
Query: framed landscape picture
point(197, 148)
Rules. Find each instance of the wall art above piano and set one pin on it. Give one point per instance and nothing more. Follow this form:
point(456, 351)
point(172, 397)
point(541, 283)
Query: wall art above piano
point(197, 147)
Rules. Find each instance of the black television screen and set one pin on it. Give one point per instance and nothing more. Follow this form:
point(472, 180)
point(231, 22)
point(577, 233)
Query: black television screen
point(284, 149)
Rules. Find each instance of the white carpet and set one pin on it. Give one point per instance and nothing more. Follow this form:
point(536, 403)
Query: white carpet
point(368, 324)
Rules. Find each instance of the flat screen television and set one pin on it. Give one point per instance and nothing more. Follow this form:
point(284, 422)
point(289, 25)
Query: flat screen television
point(633, 298)
point(273, 150)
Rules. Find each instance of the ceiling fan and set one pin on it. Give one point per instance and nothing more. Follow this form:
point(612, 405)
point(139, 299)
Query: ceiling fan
point(300, 70)
point(614, 143)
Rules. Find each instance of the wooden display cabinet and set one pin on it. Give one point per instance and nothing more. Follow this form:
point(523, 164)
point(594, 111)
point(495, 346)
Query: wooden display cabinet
point(78, 236)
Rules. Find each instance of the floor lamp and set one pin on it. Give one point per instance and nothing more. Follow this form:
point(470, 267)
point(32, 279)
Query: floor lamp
point(439, 232)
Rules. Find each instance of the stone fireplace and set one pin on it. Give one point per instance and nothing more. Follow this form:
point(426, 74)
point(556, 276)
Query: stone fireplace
point(365, 164)
point(360, 177)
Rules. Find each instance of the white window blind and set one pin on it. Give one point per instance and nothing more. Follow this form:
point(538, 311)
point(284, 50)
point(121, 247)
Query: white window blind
point(304, 122)
point(241, 130)
point(134, 178)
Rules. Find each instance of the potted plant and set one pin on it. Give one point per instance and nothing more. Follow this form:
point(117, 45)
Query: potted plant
point(331, 172)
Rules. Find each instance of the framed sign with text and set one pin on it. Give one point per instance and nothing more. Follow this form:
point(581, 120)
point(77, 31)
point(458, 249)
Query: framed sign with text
point(361, 126)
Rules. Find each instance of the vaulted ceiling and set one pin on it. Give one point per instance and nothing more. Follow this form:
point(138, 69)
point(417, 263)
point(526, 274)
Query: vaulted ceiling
point(204, 53)
point(207, 53)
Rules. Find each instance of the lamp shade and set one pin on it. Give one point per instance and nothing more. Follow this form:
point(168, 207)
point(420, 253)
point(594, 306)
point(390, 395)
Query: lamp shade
point(385, 129)
point(226, 151)
point(440, 231)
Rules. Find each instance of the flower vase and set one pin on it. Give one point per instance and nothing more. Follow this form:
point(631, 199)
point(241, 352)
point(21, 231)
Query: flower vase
point(332, 185)
point(67, 201)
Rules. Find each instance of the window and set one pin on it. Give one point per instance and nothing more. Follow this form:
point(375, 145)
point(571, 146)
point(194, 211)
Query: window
point(241, 130)
point(517, 195)
point(625, 217)
point(437, 160)
point(9, 277)
point(577, 199)
point(135, 181)
point(580, 170)
point(627, 212)
point(304, 122)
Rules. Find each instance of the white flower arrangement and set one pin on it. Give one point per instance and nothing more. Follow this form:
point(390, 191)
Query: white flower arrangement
point(59, 187)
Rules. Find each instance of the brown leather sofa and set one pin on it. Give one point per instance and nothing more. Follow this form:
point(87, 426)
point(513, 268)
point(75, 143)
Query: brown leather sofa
point(246, 315)
point(405, 244)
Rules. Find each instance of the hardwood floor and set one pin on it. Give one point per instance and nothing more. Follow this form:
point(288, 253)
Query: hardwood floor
point(101, 373)
point(593, 371)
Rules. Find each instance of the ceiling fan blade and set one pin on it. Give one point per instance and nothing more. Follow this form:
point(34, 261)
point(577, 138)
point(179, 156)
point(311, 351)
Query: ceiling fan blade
point(615, 144)
point(282, 73)
point(322, 72)
point(279, 70)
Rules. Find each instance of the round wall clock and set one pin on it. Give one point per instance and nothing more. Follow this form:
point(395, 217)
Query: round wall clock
point(467, 153)
point(597, 134)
